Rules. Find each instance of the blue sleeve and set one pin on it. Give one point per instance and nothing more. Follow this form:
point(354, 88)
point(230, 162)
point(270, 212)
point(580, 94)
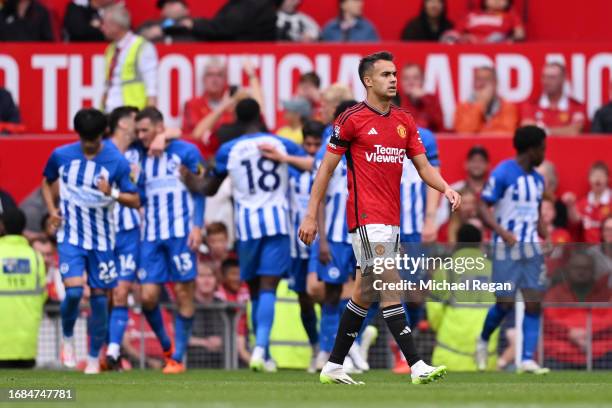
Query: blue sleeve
point(221, 160)
point(194, 162)
point(199, 206)
point(372, 33)
point(292, 148)
point(51, 171)
point(431, 146)
point(329, 33)
point(193, 159)
point(123, 178)
point(496, 185)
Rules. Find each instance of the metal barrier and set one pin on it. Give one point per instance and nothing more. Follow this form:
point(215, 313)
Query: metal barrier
point(218, 320)
point(588, 347)
point(221, 319)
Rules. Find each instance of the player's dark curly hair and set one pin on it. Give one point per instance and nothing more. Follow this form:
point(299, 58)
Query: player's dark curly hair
point(368, 61)
point(527, 137)
point(89, 123)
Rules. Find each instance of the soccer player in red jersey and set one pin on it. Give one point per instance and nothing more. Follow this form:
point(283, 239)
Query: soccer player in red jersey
point(375, 136)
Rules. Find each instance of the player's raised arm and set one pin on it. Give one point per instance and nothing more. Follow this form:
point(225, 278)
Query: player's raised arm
point(303, 163)
point(208, 184)
point(308, 229)
point(431, 176)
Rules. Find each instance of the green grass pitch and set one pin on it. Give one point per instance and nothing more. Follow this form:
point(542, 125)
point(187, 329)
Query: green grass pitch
point(216, 388)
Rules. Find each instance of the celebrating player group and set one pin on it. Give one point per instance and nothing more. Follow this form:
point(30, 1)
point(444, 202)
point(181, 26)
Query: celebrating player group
point(128, 202)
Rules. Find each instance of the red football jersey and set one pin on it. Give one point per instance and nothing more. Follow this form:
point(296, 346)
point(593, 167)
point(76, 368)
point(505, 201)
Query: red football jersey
point(375, 145)
point(484, 24)
point(567, 112)
point(592, 213)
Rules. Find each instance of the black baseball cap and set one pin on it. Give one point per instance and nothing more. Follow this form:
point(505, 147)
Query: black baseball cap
point(478, 150)
point(162, 3)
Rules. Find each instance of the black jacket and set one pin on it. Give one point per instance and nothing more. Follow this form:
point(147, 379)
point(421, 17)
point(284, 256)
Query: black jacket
point(418, 29)
point(34, 26)
point(9, 112)
point(239, 20)
point(602, 121)
point(77, 23)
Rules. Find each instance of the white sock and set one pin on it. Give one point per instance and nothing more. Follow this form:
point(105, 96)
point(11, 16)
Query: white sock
point(418, 367)
point(315, 349)
point(258, 353)
point(113, 350)
point(332, 366)
point(68, 339)
point(92, 360)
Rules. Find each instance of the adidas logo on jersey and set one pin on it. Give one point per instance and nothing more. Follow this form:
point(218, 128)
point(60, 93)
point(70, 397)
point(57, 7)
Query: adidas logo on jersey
point(372, 132)
point(353, 335)
point(405, 331)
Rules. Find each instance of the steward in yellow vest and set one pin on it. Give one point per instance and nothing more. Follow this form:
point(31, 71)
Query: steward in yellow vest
point(457, 316)
point(22, 294)
point(132, 85)
point(130, 63)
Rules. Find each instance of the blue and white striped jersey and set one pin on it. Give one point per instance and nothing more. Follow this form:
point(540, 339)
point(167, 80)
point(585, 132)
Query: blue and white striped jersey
point(171, 211)
point(260, 186)
point(129, 218)
point(88, 214)
point(300, 185)
point(516, 197)
point(414, 190)
point(336, 225)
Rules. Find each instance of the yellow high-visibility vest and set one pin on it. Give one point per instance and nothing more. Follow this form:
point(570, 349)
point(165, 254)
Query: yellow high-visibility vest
point(457, 320)
point(132, 85)
point(22, 296)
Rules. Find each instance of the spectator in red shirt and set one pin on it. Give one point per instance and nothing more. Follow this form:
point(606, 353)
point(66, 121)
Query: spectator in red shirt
point(593, 208)
point(565, 329)
point(425, 108)
point(477, 170)
point(204, 117)
point(204, 114)
point(555, 111)
point(206, 341)
point(235, 291)
point(494, 22)
point(602, 253)
point(485, 111)
point(215, 247)
point(309, 88)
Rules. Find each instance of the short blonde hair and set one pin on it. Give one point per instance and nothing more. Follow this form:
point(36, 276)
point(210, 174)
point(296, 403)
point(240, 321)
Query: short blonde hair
point(337, 93)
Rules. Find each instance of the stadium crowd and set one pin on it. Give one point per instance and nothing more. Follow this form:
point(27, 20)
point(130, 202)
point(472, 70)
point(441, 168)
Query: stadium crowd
point(224, 113)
